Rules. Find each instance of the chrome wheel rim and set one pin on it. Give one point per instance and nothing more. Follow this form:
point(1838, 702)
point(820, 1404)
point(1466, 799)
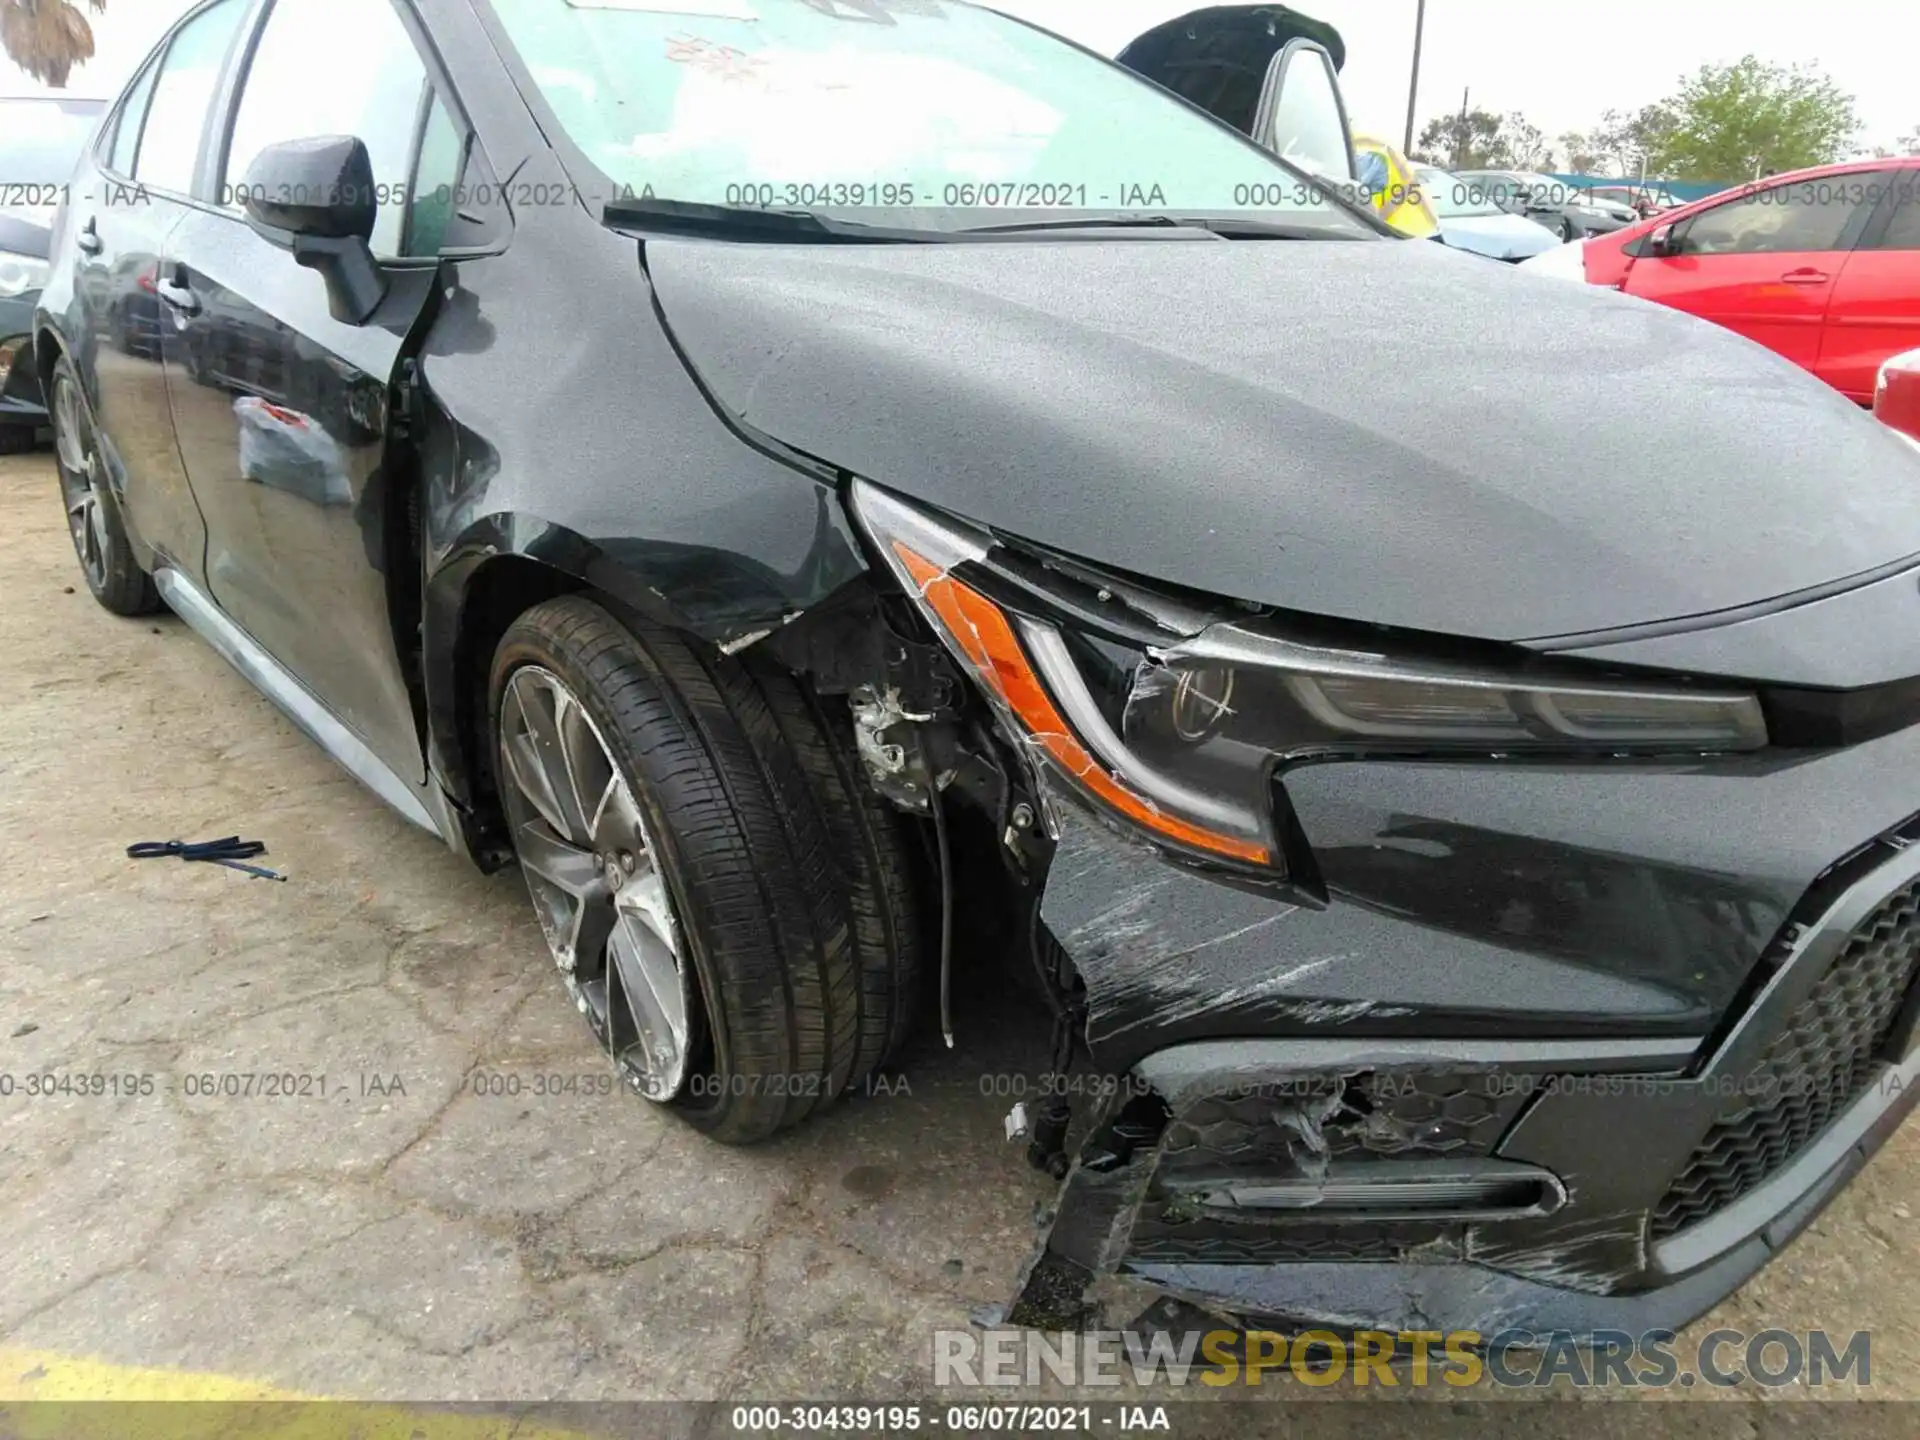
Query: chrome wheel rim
point(596, 881)
point(82, 479)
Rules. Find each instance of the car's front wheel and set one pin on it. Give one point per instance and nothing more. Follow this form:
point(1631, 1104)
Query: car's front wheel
point(93, 513)
point(730, 908)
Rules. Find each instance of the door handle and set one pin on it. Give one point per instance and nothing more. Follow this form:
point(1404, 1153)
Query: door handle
point(89, 240)
point(178, 296)
point(1806, 275)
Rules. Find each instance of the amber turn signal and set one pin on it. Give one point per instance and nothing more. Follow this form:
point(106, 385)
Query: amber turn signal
point(984, 636)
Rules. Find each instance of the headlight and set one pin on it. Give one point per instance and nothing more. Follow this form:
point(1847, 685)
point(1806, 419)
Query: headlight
point(21, 273)
point(1177, 718)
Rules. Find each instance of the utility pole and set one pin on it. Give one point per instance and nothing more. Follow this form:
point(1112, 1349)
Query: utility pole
point(1458, 160)
point(1413, 84)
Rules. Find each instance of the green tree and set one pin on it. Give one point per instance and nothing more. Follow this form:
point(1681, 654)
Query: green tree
point(1482, 140)
point(1732, 122)
point(47, 38)
point(1626, 140)
point(1583, 154)
point(1526, 148)
point(1463, 140)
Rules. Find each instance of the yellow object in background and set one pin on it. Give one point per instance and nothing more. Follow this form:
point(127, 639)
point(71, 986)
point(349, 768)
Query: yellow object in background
point(1401, 201)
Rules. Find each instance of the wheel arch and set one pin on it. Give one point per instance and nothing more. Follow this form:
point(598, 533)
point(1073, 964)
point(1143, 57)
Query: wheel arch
point(505, 564)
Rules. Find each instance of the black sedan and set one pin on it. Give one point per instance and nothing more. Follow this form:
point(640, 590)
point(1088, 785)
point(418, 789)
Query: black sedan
point(809, 479)
point(40, 143)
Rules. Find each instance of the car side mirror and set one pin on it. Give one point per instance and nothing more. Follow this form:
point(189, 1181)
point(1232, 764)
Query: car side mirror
point(315, 198)
point(1663, 243)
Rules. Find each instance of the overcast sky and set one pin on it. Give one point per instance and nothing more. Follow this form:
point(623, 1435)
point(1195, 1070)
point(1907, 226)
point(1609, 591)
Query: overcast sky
point(1559, 62)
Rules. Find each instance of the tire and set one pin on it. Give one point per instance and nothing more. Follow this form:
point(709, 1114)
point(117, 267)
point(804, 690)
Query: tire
point(17, 439)
point(870, 840)
point(790, 886)
point(94, 524)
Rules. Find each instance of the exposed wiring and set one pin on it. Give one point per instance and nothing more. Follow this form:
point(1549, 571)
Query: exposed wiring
point(1049, 984)
point(937, 804)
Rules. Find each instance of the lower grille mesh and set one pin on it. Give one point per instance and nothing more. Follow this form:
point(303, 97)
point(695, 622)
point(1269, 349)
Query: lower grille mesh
point(1823, 1058)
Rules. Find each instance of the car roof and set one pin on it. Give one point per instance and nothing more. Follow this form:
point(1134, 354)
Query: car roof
point(1816, 172)
point(1684, 212)
point(1843, 167)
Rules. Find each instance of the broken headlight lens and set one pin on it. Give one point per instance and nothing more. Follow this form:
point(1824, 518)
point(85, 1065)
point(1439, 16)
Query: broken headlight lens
point(1181, 730)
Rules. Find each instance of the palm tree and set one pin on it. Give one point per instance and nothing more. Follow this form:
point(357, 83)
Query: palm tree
point(47, 38)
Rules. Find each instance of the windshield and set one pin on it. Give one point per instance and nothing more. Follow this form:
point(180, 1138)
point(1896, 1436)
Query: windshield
point(40, 143)
point(1454, 197)
point(908, 114)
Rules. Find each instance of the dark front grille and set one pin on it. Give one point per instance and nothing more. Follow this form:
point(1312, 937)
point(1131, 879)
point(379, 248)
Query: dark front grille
point(1821, 1061)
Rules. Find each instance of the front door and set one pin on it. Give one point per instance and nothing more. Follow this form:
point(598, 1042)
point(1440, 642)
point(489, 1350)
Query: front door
point(1875, 312)
point(1762, 263)
point(281, 410)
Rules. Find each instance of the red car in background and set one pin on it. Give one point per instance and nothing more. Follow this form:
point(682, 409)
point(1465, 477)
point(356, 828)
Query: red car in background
point(1896, 399)
point(1821, 265)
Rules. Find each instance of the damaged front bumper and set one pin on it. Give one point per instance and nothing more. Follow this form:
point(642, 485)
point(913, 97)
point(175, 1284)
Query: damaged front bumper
point(1534, 1065)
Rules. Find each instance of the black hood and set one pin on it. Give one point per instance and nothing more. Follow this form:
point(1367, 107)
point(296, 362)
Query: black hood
point(1217, 58)
point(1249, 35)
point(1374, 430)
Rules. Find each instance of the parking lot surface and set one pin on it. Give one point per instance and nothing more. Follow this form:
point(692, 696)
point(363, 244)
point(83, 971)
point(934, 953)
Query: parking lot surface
point(424, 1193)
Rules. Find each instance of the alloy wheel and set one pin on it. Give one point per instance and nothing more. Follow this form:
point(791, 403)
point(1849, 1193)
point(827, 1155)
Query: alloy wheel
point(597, 881)
point(82, 480)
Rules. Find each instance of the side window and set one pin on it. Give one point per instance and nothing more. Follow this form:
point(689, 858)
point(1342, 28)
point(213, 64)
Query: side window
point(182, 90)
point(1803, 216)
point(1903, 229)
point(334, 67)
point(436, 180)
point(133, 115)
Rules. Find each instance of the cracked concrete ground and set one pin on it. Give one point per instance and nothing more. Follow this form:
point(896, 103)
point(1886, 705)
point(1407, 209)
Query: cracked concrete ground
point(410, 1234)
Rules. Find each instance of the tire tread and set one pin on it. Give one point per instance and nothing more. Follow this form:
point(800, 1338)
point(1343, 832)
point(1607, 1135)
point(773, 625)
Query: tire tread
point(794, 944)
